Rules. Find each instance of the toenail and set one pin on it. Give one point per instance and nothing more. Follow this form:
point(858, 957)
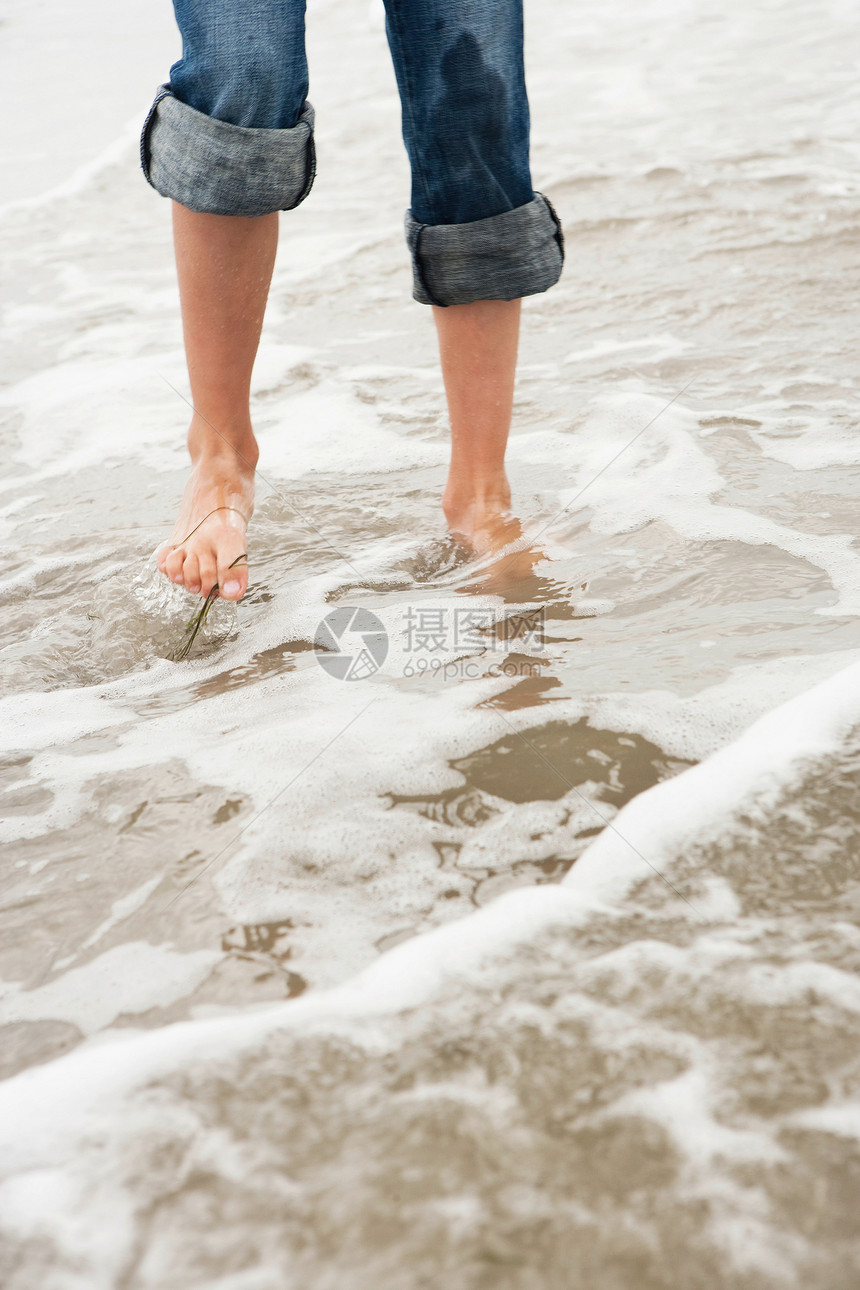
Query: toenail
point(231, 588)
point(177, 577)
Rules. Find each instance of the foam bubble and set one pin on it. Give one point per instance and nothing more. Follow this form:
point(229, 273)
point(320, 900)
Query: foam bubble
point(755, 768)
point(128, 978)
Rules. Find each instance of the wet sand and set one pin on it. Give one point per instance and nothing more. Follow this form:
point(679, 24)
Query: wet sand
point(489, 967)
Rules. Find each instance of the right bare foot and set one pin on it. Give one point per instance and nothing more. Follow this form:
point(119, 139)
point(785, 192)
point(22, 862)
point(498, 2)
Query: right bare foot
point(208, 544)
point(482, 521)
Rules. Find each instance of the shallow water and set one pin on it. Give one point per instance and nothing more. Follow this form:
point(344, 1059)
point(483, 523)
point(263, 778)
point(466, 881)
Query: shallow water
point(557, 1026)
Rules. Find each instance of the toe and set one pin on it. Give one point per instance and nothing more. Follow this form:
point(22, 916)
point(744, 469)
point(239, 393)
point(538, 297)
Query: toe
point(191, 573)
point(233, 580)
point(173, 565)
point(208, 574)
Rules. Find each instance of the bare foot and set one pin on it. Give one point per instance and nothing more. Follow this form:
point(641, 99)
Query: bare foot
point(478, 517)
point(208, 544)
point(487, 528)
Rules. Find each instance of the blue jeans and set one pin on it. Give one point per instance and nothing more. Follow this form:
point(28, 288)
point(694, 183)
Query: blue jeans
point(232, 134)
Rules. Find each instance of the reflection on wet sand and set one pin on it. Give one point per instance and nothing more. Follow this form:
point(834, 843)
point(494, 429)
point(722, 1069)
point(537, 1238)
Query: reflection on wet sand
point(590, 773)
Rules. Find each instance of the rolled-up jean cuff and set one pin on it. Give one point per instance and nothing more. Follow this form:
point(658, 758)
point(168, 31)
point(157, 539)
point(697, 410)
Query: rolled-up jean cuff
point(518, 253)
point(221, 169)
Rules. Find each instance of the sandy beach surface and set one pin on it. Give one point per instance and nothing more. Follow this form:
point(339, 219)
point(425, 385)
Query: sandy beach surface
point(512, 942)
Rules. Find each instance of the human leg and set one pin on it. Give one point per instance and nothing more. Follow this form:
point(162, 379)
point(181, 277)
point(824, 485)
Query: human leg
point(480, 237)
point(476, 228)
point(478, 350)
point(224, 264)
point(231, 141)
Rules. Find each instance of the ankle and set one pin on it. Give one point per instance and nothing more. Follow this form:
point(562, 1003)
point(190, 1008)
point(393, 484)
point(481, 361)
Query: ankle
point(488, 495)
point(231, 449)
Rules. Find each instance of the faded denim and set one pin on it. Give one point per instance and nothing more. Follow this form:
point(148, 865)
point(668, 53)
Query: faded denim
point(223, 169)
point(232, 134)
point(517, 253)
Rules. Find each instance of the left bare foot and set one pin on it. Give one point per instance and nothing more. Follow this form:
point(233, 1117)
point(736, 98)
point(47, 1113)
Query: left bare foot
point(209, 541)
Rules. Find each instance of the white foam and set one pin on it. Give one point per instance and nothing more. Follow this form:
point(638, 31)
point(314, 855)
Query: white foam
point(657, 348)
point(123, 908)
point(661, 821)
point(100, 65)
point(326, 429)
point(682, 1107)
point(128, 978)
point(93, 1079)
point(636, 460)
point(34, 720)
point(842, 1119)
point(326, 846)
point(757, 767)
point(71, 411)
point(83, 176)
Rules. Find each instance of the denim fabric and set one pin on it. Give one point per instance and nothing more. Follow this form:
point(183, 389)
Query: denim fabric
point(517, 253)
point(221, 169)
point(459, 69)
point(233, 134)
point(243, 61)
